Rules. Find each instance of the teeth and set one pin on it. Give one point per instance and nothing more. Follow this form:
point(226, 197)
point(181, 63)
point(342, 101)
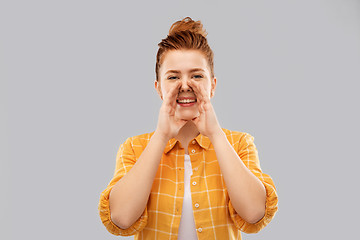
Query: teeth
point(186, 101)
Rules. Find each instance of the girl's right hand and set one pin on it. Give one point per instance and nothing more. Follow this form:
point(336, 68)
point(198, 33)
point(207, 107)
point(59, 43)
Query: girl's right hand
point(168, 126)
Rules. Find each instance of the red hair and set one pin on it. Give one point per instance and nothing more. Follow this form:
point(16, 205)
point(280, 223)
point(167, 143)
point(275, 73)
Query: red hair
point(185, 34)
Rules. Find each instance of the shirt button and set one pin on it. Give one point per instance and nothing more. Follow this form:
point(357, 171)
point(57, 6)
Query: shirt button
point(196, 169)
point(194, 183)
point(193, 151)
point(197, 205)
point(199, 229)
point(193, 142)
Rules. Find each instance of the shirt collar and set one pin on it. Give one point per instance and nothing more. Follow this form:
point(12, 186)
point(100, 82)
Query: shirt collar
point(202, 140)
point(171, 143)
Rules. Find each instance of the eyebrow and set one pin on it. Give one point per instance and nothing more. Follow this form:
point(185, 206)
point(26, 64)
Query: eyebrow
point(191, 70)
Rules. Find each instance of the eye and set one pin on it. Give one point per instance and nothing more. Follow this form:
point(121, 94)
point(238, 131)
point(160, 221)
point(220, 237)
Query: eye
point(198, 76)
point(172, 77)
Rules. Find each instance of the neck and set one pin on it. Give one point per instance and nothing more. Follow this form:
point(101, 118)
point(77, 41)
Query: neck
point(188, 132)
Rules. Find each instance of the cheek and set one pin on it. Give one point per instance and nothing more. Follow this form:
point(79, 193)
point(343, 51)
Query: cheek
point(207, 88)
point(165, 90)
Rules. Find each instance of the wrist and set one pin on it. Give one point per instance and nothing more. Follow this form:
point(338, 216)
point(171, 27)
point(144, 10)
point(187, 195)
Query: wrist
point(161, 137)
point(217, 135)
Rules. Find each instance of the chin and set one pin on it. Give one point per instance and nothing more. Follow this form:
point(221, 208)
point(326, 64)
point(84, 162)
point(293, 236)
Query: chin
point(187, 114)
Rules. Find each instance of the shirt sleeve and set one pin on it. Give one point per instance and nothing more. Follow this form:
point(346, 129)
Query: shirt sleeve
point(248, 154)
point(125, 160)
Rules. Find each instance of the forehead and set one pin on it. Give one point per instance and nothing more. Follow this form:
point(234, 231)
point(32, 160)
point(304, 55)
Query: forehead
point(183, 60)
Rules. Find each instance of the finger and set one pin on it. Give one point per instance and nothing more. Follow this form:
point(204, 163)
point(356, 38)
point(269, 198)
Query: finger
point(196, 90)
point(170, 99)
point(199, 91)
point(193, 85)
point(204, 93)
point(169, 102)
point(201, 98)
point(201, 108)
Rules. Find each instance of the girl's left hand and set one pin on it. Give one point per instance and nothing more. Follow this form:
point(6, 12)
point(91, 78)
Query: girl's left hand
point(206, 122)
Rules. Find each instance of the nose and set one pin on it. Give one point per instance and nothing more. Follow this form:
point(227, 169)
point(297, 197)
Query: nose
point(185, 87)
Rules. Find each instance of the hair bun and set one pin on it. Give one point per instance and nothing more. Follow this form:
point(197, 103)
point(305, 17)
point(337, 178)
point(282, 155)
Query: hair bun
point(187, 24)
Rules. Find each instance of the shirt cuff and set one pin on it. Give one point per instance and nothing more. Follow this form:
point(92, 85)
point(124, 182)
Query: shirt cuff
point(104, 210)
point(271, 206)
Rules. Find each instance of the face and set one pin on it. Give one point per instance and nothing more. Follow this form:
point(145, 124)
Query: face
point(178, 66)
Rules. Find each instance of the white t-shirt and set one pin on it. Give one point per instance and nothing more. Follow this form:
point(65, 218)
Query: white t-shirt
point(187, 229)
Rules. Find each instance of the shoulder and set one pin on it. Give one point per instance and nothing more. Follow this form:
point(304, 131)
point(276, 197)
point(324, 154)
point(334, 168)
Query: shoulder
point(139, 140)
point(237, 136)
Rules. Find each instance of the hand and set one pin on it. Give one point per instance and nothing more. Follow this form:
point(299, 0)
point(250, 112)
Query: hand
point(206, 122)
point(169, 126)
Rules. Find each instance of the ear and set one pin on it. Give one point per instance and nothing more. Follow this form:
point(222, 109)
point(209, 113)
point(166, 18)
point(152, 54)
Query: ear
point(158, 89)
point(213, 87)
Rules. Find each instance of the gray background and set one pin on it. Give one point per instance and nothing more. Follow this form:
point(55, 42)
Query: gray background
point(77, 80)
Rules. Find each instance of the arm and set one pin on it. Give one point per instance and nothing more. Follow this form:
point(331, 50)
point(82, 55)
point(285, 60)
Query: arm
point(253, 198)
point(125, 207)
point(247, 193)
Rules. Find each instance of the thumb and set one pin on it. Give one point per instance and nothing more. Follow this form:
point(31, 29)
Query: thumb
point(195, 120)
point(181, 122)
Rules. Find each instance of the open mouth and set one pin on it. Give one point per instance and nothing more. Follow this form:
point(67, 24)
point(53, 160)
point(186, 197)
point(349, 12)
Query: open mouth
point(186, 102)
point(183, 101)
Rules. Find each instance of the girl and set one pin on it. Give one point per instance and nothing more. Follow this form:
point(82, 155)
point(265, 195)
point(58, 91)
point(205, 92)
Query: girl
point(190, 178)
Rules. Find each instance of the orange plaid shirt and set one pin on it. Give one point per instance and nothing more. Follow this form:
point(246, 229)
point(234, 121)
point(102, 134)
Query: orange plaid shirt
point(214, 215)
